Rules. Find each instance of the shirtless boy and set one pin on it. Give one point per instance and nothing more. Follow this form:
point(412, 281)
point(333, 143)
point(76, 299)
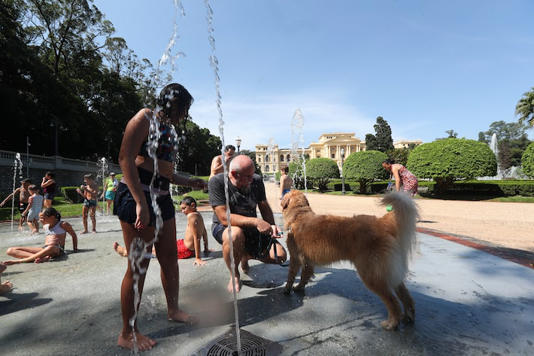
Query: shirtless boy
point(285, 182)
point(56, 231)
point(193, 233)
point(189, 246)
point(89, 191)
point(24, 195)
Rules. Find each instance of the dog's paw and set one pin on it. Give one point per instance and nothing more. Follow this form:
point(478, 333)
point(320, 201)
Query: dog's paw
point(299, 289)
point(408, 318)
point(390, 325)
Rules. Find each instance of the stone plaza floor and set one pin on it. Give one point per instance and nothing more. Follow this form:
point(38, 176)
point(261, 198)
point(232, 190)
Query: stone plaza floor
point(468, 302)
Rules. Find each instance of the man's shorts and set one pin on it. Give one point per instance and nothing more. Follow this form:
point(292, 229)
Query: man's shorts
point(22, 206)
point(256, 244)
point(89, 203)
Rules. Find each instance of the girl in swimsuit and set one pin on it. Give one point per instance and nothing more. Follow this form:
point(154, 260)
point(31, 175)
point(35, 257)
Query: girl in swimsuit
point(133, 203)
point(56, 231)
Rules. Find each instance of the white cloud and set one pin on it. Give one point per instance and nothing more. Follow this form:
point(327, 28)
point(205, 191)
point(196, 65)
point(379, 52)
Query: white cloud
point(259, 119)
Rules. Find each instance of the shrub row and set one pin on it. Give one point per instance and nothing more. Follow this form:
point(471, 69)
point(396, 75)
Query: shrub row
point(496, 188)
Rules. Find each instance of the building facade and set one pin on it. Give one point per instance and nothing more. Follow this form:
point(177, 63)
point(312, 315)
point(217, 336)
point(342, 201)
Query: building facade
point(271, 158)
point(336, 146)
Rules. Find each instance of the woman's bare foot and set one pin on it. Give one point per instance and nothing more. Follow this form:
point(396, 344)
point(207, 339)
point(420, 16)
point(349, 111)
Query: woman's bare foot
point(42, 259)
point(6, 287)
point(181, 317)
point(119, 249)
point(236, 284)
point(84, 232)
point(143, 342)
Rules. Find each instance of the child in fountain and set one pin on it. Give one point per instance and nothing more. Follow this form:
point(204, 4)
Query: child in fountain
point(189, 246)
point(133, 205)
point(89, 191)
point(35, 204)
point(56, 232)
point(24, 196)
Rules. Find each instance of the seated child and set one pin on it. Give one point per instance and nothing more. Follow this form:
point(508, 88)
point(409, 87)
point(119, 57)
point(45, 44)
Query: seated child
point(56, 231)
point(195, 230)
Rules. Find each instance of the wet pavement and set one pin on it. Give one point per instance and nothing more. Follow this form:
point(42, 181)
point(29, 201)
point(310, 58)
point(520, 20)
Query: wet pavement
point(468, 302)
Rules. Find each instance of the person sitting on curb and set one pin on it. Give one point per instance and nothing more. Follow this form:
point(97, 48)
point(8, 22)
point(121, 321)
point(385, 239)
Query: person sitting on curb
point(56, 231)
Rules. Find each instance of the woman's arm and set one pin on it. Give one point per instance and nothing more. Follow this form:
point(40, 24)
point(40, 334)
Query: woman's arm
point(395, 171)
point(9, 197)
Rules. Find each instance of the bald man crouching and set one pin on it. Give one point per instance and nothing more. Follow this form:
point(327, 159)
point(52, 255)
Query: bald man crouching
point(252, 237)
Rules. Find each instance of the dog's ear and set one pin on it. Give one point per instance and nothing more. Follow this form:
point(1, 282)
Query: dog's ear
point(285, 201)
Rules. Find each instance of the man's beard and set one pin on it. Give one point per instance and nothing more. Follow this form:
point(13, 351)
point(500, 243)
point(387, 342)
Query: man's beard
point(244, 190)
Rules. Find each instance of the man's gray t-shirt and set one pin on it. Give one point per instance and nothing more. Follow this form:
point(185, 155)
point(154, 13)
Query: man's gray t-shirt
point(242, 201)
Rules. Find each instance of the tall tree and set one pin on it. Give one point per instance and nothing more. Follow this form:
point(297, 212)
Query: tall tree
point(525, 108)
point(382, 140)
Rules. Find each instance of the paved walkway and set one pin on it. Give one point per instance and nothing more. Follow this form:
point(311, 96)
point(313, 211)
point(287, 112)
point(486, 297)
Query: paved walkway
point(468, 303)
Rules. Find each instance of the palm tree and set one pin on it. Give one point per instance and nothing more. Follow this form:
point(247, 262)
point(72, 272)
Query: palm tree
point(525, 108)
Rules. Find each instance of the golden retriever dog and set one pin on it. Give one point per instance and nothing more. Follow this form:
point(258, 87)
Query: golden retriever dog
point(379, 248)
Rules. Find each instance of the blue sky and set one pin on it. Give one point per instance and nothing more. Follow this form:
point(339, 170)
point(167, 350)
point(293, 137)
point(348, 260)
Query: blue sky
point(425, 66)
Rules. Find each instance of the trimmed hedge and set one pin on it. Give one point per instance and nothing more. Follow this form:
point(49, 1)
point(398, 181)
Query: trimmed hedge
point(452, 159)
point(527, 161)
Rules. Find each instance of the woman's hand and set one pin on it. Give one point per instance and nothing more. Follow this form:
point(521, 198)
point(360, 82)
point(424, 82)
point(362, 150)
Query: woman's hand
point(143, 216)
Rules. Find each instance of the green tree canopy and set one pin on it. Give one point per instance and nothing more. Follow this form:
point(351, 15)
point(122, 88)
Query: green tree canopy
point(365, 167)
point(525, 108)
point(382, 140)
point(527, 161)
point(453, 158)
point(321, 170)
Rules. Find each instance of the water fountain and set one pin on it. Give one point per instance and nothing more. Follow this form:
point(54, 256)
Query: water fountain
point(510, 172)
point(297, 139)
point(214, 62)
point(103, 168)
point(17, 167)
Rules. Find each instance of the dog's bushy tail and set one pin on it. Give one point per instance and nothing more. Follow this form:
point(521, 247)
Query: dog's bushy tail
point(406, 215)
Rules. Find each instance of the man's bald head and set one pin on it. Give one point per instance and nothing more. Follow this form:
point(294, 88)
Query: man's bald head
point(241, 171)
point(241, 163)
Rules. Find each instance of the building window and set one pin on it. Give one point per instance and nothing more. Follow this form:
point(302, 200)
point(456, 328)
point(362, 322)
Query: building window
point(288, 158)
point(267, 168)
point(259, 158)
point(333, 155)
point(281, 158)
point(266, 158)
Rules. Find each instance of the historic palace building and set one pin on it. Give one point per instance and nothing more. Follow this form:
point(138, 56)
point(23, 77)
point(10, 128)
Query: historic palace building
point(336, 146)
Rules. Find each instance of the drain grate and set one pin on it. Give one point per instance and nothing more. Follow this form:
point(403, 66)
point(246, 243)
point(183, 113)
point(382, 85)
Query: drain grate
point(251, 345)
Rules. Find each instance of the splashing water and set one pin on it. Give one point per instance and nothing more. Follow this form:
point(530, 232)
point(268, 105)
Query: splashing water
point(214, 62)
point(102, 172)
point(297, 139)
point(17, 167)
